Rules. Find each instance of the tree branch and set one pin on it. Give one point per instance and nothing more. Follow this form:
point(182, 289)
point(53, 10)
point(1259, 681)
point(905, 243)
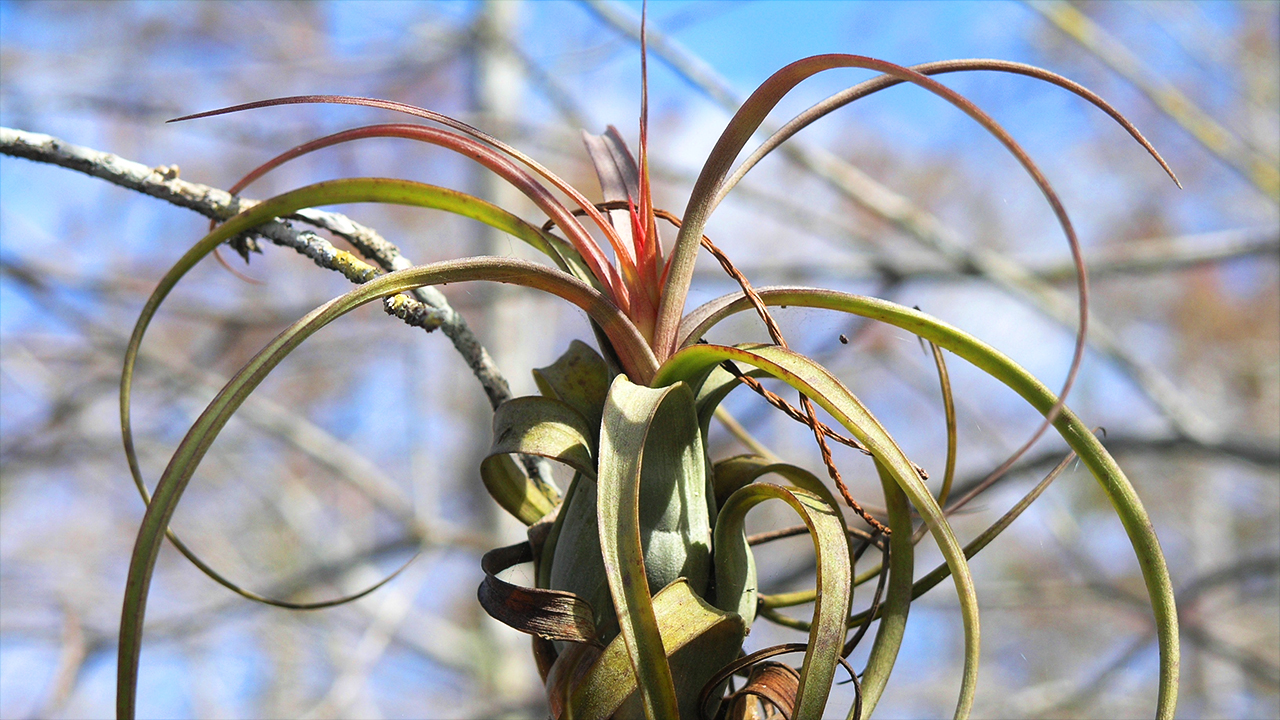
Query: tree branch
point(1139, 257)
point(163, 183)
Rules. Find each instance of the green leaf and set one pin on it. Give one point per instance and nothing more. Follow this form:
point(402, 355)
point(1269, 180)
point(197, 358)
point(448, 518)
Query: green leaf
point(566, 256)
point(712, 389)
point(533, 426)
point(1119, 490)
point(191, 451)
point(736, 590)
point(579, 378)
point(575, 562)
point(653, 519)
point(699, 640)
point(883, 82)
point(897, 601)
point(741, 470)
point(823, 388)
point(514, 490)
point(590, 250)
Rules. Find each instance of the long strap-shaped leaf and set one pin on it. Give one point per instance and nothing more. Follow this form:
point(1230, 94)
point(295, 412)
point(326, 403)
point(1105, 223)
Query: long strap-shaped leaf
point(874, 85)
point(1119, 490)
point(740, 470)
point(206, 428)
point(567, 257)
point(736, 591)
point(897, 600)
point(632, 349)
point(447, 121)
point(339, 191)
point(814, 381)
point(652, 475)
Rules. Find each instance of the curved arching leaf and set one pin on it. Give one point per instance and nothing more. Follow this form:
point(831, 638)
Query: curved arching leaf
point(1093, 454)
point(653, 519)
point(633, 351)
point(713, 388)
point(736, 587)
point(741, 470)
point(200, 437)
point(823, 388)
point(569, 258)
point(547, 614)
point(579, 378)
point(514, 491)
point(883, 82)
point(897, 601)
point(556, 181)
point(533, 426)
point(743, 124)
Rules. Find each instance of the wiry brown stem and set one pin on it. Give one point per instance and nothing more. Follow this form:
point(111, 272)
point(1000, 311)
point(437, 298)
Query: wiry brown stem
point(820, 430)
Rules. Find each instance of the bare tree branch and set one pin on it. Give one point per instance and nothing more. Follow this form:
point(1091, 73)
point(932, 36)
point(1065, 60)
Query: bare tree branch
point(1142, 257)
point(163, 183)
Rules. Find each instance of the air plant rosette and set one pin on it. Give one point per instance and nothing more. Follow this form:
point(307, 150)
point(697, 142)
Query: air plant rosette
point(645, 580)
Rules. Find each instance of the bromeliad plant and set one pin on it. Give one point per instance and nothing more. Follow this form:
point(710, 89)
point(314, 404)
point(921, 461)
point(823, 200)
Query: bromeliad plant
point(645, 579)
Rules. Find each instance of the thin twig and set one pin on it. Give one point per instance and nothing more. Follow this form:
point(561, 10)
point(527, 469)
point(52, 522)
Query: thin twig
point(810, 417)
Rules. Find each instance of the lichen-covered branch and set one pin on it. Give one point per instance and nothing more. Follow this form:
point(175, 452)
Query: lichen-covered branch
point(163, 183)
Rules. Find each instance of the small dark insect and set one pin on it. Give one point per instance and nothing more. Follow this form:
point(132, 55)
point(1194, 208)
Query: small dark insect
point(844, 340)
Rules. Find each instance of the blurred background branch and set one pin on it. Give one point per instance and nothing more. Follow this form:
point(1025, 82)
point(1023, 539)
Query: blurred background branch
point(362, 448)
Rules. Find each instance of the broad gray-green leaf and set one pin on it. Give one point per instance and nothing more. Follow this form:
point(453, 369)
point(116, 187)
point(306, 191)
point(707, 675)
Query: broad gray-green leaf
point(514, 490)
point(653, 518)
point(618, 174)
point(533, 426)
point(575, 564)
point(544, 427)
